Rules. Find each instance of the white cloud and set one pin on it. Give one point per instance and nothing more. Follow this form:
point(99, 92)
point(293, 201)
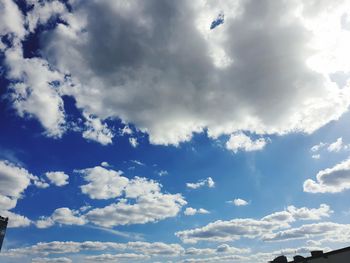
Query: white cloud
point(126, 130)
point(141, 200)
point(156, 248)
point(11, 19)
point(199, 251)
point(57, 178)
point(221, 249)
point(317, 147)
point(52, 260)
point(133, 141)
point(226, 258)
point(147, 208)
point(64, 247)
point(224, 248)
point(103, 183)
point(105, 164)
point(64, 216)
point(223, 231)
point(15, 220)
point(137, 162)
point(316, 156)
point(305, 213)
point(309, 231)
point(336, 146)
point(331, 180)
point(13, 181)
point(212, 81)
point(201, 183)
point(240, 141)
point(190, 211)
point(116, 257)
point(240, 202)
point(163, 172)
point(35, 91)
point(44, 222)
point(140, 186)
point(97, 131)
point(41, 12)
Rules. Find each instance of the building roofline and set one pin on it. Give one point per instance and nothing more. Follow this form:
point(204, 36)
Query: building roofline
point(333, 252)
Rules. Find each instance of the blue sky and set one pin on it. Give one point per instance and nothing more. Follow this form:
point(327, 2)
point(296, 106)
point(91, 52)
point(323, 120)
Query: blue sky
point(137, 131)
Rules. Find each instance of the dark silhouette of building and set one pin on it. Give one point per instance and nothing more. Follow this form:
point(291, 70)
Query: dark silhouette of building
point(3, 226)
point(280, 259)
point(317, 256)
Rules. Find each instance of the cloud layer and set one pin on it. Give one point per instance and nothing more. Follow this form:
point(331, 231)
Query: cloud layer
point(223, 231)
point(141, 201)
point(330, 180)
point(160, 67)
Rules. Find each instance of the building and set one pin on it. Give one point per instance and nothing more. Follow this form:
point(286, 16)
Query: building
point(335, 256)
point(3, 226)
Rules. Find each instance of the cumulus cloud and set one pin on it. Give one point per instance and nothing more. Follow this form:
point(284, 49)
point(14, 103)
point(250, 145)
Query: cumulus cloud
point(141, 200)
point(140, 73)
point(13, 181)
point(227, 258)
point(317, 147)
point(116, 257)
point(15, 220)
point(224, 248)
point(140, 186)
point(190, 211)
point(133, 141)
point(41, 12)
point(126, 130)
point(67, 217)
point(105, 164)
point(305, 213)
point(240, 141)
point(147, 208)
point(11, 19)
point(209, 182)
point(103, 183)
point(338, 145)
point(57, 178)
point(330, 180)
point(240, 202)
point(309, 231)
point(316, 156)
point(52, 260)
point(64, 216)
point(97, 131)
point(163, 172)
point(35, 85)
point(64, 247)
point(35, 92)
point(221, 249)
point(199, 251)
point(222, 231)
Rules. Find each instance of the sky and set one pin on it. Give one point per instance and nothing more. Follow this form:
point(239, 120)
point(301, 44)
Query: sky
point(173, 131)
